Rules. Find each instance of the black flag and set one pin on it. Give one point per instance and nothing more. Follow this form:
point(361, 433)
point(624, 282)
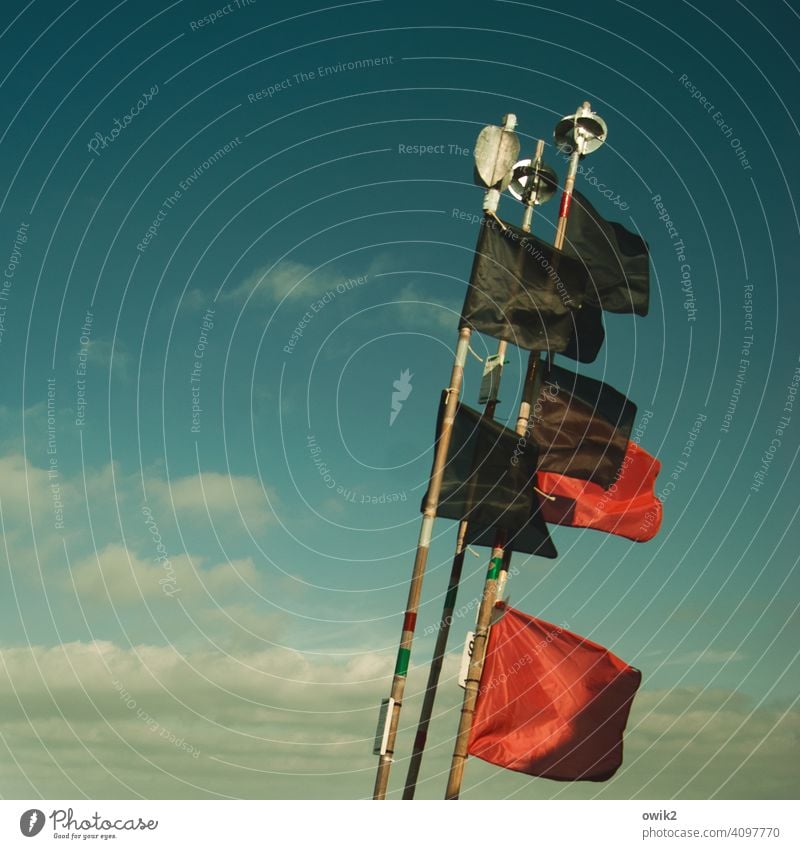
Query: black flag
point(488, 480)
point(588, 334)
point(582, 427)
point(522, 289)
point(618, 261)
point(530, 538)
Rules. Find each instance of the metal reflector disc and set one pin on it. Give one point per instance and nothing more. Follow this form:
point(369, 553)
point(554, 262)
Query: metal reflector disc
point(584, 131)
point(545, 181)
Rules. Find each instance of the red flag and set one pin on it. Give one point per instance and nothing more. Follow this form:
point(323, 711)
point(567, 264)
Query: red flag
point(628, 508)
point(551, 703)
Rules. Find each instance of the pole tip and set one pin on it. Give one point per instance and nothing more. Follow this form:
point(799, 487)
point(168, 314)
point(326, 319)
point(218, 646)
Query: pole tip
point(509, 121)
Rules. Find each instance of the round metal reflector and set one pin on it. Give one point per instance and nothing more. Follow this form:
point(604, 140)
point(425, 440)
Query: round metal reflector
point(584, 131)
point(544, 181)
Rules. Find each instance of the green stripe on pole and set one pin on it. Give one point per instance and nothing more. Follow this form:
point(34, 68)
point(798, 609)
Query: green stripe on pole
point(450, 598)
point(403, 657)
point(494, 569)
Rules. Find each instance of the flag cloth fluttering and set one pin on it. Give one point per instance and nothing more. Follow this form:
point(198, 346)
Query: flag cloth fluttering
point(582, 426)
point(530, 538)
point(523, 290)
point(551, 703)
point(629, 508)
point(588, 334)
point(488, 480)
point(618, 261)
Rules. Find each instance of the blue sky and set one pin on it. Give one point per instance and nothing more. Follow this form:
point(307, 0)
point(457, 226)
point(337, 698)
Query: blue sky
point(258, 207)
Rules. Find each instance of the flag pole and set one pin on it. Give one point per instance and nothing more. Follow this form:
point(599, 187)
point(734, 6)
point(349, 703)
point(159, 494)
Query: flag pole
point(530, 198)
point(500, 151)
point(442, 634)
point(498, 565)
point(580, 133)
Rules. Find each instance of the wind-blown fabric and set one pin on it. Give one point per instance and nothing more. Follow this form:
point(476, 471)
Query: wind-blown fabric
point(523, 290)
point(628, 508)
point(551, 703)
point(618, 260)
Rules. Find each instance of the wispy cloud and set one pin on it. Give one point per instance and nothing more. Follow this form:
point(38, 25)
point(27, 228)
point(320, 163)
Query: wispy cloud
point(117, 576)
point(222, 498)
point(417, 308)
point(287, 279)
point(297, 281)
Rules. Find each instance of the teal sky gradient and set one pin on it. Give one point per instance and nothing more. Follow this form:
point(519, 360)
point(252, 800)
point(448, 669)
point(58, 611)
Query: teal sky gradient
point(289, 592)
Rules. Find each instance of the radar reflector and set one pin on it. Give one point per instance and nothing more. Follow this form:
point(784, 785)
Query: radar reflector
point(530, 179)
point(583, 132)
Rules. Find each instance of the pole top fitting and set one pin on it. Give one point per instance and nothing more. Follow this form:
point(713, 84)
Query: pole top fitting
point(582, 132)
point(509, 121)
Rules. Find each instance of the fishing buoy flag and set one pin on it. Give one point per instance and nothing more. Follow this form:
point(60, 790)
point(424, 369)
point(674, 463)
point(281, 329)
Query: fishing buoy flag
point(551, 703)
point(523, 290)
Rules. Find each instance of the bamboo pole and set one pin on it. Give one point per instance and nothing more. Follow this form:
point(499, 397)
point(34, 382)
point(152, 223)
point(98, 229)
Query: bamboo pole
point(428, 518)
point(499, 562)
point(497, 566)
point(420, 560)
point(566, 197)
point(443, 632)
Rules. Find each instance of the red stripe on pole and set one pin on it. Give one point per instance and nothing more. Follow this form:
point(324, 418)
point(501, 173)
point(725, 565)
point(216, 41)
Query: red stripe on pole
point(566, 198)
point(410, 621)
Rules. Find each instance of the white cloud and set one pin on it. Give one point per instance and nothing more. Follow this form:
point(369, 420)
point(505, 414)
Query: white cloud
point(275, 723)
point(695, 743)
point(23, 487)
point(196, 300)
point(32, 503)
point(415, 309)
point(126, 721)
point(288, 279)
point(272, 282)
point(103, 353)
point(118, 576)
point(241, 627)
point(220, 497)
